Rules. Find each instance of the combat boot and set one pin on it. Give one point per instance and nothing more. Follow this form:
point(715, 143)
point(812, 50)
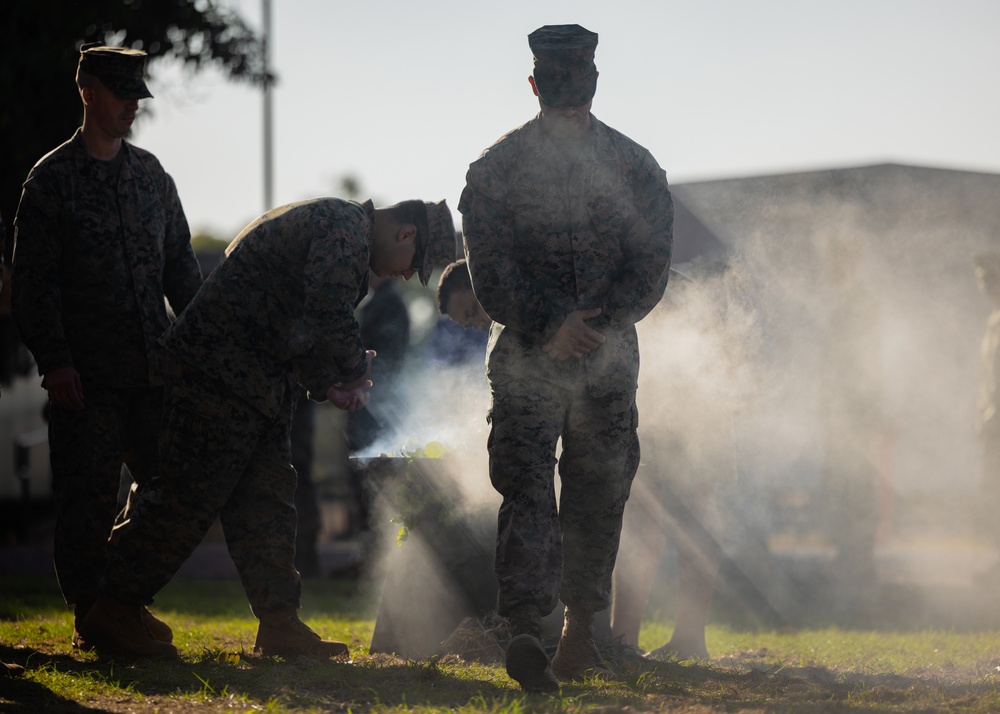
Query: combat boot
point(116, 627)
point(80, 610)
point(157, 628)
point(577, 656)
point(526, 660)
point(281, 632)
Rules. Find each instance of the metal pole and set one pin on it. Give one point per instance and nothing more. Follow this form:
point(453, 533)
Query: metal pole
point(268, 147)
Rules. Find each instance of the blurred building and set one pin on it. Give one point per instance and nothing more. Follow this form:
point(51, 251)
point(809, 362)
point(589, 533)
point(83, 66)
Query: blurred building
point(914, 231)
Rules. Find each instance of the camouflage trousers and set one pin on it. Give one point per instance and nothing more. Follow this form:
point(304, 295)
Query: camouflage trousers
point(303, 430)
point(222, 458)
point(546, 553)
point(86, 451)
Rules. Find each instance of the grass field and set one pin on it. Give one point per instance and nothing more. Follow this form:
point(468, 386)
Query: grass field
point(796, 670)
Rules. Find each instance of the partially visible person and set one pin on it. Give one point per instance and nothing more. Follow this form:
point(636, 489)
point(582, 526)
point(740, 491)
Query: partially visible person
point(451, 345)
point(853, 424)
point(462, 330)
point(385, 327)
point(568, 233)
point(456, 348)
point(278, 311)
point(988, 412)
point(689, 397)
point(100, 240)
point(457, 299)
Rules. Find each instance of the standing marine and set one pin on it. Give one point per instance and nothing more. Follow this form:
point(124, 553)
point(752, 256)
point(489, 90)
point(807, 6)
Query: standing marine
point(568, 232)
point(100, 239)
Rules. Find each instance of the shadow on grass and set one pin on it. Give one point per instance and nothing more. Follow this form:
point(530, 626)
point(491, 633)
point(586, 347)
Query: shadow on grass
point(302, 683)
point(217, 675)
point(22, 695)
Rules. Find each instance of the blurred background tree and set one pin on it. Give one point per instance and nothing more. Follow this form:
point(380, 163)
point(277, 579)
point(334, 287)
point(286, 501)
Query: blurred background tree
point(41, 108)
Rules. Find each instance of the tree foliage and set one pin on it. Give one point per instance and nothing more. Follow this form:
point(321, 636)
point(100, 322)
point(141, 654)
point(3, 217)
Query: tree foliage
point(40, 41)
point(40, 106)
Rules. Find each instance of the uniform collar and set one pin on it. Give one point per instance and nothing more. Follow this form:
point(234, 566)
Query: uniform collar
point(85, 159)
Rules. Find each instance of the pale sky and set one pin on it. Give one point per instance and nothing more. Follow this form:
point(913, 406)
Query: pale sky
point(404, 95)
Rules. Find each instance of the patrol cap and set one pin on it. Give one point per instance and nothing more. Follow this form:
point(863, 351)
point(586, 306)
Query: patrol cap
point(120, 69)
point(435, 240)
point(565, 73)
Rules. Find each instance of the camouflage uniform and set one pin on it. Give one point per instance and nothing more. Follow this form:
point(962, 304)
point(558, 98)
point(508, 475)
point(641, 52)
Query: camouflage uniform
point(97, 248)
point(278, 309)
point(547, 234)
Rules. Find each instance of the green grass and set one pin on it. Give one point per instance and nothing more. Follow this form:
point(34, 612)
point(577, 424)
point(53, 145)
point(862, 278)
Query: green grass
point(799, 671)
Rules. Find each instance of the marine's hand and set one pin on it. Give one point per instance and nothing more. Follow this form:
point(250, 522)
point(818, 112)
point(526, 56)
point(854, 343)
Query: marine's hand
point(575, 338)
point(350, 400)
point(64, 387)
point(360, 381)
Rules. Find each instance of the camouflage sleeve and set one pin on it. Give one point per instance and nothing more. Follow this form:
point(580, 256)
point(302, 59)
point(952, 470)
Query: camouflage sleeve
point(333, 276)
point(509, 297)
point(181, 272)
point(34, 284)
point(647, 246)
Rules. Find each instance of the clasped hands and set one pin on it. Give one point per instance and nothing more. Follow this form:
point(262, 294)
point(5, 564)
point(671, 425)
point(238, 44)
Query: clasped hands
point(574, 338)
point(353, 396)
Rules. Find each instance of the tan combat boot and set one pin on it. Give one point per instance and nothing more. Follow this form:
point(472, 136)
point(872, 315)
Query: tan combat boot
point(526, 660)
point(116, 627)
point(157, 628)
point(577, 656)
point(281, 632)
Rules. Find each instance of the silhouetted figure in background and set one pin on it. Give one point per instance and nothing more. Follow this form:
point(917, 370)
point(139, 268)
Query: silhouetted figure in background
point(689, 397)
point(852, 423)
point(385, 328)
point(988, 412)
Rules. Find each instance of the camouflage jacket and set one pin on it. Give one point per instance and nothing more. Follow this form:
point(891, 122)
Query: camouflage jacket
point(279, 307)
point(546, 235)
point(94, 259)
